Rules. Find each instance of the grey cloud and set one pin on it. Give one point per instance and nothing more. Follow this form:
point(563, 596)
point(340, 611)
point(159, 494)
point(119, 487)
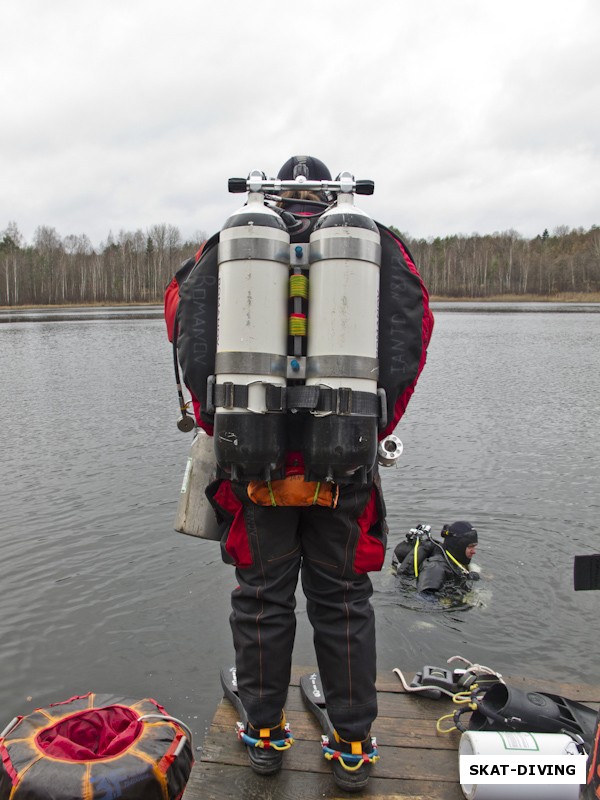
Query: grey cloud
point(469, 116)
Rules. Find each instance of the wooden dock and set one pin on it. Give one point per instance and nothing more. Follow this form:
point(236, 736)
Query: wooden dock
point(416, 762)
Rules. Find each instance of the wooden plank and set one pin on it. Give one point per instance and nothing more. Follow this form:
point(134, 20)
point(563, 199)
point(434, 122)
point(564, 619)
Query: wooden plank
point(227, 782)
point(307, 756)
point(389, 682)
point(417, 763)
point(396, 732)
point(390, 705)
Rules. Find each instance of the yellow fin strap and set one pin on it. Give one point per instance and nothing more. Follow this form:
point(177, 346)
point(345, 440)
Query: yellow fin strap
point(438, 725)
point(357, 756)
point(461, 697)
point(272, 496)
point(348, 768)
point(264, 741)
point(288, 743)
point(330, 755)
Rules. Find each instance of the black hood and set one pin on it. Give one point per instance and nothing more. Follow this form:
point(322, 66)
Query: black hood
point(457, 537)
point(307, 166)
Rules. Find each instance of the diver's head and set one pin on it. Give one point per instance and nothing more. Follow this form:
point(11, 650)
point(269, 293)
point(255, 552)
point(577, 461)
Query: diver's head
point(460, 540)
point(308, 167)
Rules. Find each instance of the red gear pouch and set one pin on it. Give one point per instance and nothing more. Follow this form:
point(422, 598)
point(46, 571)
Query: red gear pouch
point(370, 549)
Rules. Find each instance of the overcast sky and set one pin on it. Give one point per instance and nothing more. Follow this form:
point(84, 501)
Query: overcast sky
point(469, 115)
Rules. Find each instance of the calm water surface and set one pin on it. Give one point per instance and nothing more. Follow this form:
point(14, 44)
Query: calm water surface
point(98, 592)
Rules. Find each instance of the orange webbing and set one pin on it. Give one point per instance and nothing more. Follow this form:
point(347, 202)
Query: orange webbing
point(293, 491)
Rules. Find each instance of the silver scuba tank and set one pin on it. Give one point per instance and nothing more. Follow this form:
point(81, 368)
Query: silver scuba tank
point(251, 352)
point(345, 256)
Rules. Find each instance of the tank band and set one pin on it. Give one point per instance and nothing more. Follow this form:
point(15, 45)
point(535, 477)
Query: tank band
point(259, 248)
point(344, 247)
point(230, 363)
point(315, 399)
point(342, 367)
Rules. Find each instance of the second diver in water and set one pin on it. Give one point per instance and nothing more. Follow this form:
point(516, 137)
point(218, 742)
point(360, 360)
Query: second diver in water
point(440, 568)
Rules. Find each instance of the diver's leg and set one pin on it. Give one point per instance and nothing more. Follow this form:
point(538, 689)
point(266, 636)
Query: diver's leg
point(263, 544)
point(339, 547)
point(344, 635)
point(263, 620)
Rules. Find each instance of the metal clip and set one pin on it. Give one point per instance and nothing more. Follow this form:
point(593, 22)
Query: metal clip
point(210, 397)
point(343, 403)
point(228, 390)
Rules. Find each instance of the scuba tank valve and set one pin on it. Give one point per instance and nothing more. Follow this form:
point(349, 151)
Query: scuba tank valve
point(389, 451)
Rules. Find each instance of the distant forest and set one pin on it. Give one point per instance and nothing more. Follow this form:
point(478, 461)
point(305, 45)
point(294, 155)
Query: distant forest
point(136, 266)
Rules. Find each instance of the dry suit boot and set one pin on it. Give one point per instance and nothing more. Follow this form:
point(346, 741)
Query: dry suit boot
point(352, 762)
point(266, 747)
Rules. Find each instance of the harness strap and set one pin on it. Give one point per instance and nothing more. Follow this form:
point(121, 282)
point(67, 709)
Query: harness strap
point(230, 395)
point(347, 402)
point(303, 398)
point(343, 401)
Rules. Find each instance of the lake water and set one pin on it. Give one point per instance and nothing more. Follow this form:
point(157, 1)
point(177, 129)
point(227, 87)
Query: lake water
point(99, 593)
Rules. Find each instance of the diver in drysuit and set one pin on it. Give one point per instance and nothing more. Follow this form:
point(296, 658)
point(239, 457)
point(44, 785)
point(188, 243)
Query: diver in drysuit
point(295, 520)
point(438, 566)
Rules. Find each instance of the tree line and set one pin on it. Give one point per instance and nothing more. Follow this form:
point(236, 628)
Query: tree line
point(136, 266)
point(132, 267)
point(566, 261)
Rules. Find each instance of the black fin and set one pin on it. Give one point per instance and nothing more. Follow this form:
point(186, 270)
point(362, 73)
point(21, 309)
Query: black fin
point(229, 684)
point(313, 695)
point(508, 708)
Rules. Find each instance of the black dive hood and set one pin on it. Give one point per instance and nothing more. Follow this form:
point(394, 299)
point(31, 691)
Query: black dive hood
point(457, 537)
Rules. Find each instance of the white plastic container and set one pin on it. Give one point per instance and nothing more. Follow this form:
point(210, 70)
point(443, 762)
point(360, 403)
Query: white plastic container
point(507, 743)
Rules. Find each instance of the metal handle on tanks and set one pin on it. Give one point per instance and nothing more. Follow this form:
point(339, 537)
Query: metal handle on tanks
point(258, 182)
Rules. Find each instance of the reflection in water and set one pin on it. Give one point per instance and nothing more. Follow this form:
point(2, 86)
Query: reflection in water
point(78, 314)
point(514, 308)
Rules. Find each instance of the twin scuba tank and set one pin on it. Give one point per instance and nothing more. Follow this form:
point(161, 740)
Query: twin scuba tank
point(416, 547)
point(261, 375)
